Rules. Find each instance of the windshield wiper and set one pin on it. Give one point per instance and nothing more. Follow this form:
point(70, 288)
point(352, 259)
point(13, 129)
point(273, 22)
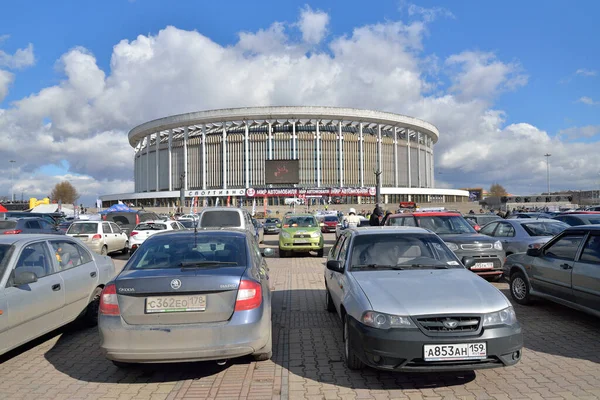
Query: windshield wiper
point(204, 264)
point(434, 266)
point(374, 266)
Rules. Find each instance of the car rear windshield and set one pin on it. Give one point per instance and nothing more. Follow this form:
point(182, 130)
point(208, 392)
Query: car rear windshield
point(122, 218)
point(271, 221)
point(445, 224)
point(8, 224)
point(188, 223)
point(300, 221)
point(544, 228)
point(401, 250)
point(200, 249)
point(150, 227)
point(221, 218)
point(85, 228)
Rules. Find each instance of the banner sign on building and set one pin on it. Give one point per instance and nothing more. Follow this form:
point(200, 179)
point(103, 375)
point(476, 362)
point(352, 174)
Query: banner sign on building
point(282, 171)
point(215, 193)
point(303, 193)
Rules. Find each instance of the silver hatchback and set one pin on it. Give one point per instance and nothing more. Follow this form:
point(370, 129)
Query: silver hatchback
point(408, 304)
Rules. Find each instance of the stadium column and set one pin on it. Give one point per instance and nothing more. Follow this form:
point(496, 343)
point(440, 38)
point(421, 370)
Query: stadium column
point(431, 162)
point(318, 151)
point(185, 159)
point(419, 159)
point(246, 156)
point(147, 163)
point(361, 157)
point(170, 160)
point(395, 156)
point(270, 142)
point(157, 154)
point(341, 154)
point(379, 155)
point(204, 163)
point(408, 157)
point(224, 160)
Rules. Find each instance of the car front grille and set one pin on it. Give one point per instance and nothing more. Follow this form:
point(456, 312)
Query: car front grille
point(450, 324)
point(476, 246)
point(302, 236)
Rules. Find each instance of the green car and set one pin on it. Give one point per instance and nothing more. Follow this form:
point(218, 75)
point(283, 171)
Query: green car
point(300, 233)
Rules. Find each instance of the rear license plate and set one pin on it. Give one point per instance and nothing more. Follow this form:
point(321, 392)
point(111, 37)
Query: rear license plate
point(485, 265)
point(455, 352)
point(165, 304)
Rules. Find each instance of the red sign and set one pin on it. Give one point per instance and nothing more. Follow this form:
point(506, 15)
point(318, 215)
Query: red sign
point(311, 192)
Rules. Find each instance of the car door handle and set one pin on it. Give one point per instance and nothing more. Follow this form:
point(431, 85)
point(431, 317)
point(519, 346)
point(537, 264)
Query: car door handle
point(93, 274)
point(56, 287)
point(566, 266)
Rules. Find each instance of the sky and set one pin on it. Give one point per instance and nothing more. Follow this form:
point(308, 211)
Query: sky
point(504, 82)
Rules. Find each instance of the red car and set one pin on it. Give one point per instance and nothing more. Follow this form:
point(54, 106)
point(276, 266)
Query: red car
point(330, 223)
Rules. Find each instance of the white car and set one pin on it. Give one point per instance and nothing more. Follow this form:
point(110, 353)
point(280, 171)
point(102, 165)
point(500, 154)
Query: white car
point(102, 237)
point(146, 229)
point(194, 217)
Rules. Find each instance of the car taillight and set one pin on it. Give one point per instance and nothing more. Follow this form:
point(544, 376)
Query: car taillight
point(133, 233)
point(13, 232)
point(249, 296)
point(97, 237)
point(108, 301)
point(477, 228)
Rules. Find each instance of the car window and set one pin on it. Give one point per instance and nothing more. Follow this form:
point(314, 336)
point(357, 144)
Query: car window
point(84, 228)
point(505, 230)
point(45, 225)
point(489, 229)
point(221, 218)
point(544, 228)
point(565, 248)
point(150, 226)
point(592, 220)
point(344, 249)
point(573, 221)
point(5, 255)
point(336, 247)
point(174, 225)
point(67, 254)
point(148, 217)
point(409, 221)
point(591, 251)
point(304, 221)
point(115, 227)
point(33, 225)
point(7, 225)
point(394, 221)
point(35, 258)
point(106, 227)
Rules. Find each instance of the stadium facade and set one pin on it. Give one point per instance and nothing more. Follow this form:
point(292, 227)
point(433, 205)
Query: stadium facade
point(281, 152)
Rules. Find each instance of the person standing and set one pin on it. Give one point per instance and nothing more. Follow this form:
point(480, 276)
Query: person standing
point(375, 217)
point(351, 220)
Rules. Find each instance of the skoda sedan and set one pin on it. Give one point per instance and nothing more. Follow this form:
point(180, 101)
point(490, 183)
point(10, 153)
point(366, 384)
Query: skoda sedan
point(189, 296)
point(407, 303)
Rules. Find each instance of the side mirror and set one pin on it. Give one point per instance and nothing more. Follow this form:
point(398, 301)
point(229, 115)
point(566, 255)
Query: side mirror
point(468, 262)
point(24, 278)
point(534, 252)
point(335, 265)
point(268, 252)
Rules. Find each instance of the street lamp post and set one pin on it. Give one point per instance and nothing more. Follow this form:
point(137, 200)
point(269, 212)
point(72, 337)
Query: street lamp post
point(547, 155)
point(12, 184)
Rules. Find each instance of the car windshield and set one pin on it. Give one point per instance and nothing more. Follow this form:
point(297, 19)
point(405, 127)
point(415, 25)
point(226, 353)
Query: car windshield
point(271, 221)
point(300, 221)
point(201, 249)
point(221, 218)
point(331, 219)
point(83, 228)
point(544, 228)
point(445, 224)
point(149, 226)
point(402, 251)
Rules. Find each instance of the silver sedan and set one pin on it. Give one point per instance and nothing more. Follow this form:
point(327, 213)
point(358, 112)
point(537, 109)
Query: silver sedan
point(189, 296)
point(408, 304)
point(518, 235)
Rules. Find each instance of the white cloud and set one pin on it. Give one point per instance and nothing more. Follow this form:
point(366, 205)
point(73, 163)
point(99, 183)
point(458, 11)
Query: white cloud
point(313, 25)
point(21, 59)
point(6, 78)
point(427, 14)
point(382, 66)
point(585, 72)
point(588, 100)
point(582, 132)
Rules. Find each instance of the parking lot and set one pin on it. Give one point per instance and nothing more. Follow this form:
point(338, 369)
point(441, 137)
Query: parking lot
point(561, 359)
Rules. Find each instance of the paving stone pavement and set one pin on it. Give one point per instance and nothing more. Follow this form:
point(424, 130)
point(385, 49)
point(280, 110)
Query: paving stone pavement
point(561, 360)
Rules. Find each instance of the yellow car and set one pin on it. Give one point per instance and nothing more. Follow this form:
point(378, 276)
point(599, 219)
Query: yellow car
point(300, 233)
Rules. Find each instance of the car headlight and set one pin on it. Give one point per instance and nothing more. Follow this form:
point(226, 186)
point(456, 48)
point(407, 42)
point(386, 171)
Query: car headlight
point(452, 246)
point(315, 234)
point(502, 317)
point(385, 321)
point(286, 235)
point(498, 245)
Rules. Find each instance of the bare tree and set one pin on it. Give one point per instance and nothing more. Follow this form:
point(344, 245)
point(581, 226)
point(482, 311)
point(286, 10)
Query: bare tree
point(65, 193)
point(497, 190)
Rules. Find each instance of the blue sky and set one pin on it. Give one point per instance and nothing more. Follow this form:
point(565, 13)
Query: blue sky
point(554, 44)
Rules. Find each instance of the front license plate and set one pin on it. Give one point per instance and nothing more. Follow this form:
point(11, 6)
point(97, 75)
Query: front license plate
point(165, 304)
point(301, 241)
point(485, 265)
point(454, 352)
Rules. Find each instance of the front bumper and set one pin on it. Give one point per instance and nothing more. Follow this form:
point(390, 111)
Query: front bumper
point(245, 333)
point(402, 349)
point(496, 257)
point(271, 231)
point(314, 244)
point(326, 229)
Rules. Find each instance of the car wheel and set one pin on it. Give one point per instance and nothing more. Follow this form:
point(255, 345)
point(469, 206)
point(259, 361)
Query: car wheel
point(104, 251)
point(320, 253)
point(282, 253)
point(352, 362)
point(519, 288)
point(266, 352)
point(90, 314)
point(329, 301)
point(126, 248)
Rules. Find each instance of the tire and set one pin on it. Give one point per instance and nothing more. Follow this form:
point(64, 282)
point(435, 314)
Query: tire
point(122, 365)
point(320, 253)
point(89, 318)
point(266, 352)
point(104, 251)
point(126, 248)
point(519, 288)
point(352, 362)
point(329, 301)
point(282, 253)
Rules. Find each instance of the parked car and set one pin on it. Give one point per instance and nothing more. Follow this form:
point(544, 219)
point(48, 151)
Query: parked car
point(64, 226)
point(228, 217)
point(181, 286)
point(565, 270)
point(340, 227)
point(102, 237)
point(193, 217)
point(128, 220)
point(330, 223)
point(480, 220)
point(260, 230)
point(535, 215)
point(47, 281)
point(52, 218)
point(518, 235)
point(460, 237)
point(576, 219)
point(300, 233)
point(272, 225)
point(189, 223)
point(376, 280)
point(143, 231)
point(15, 226)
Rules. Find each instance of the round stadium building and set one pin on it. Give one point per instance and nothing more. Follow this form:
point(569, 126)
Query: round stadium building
point(320, 154)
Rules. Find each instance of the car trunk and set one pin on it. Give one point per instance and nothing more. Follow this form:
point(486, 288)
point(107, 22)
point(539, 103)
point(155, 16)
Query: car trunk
point(174, 296)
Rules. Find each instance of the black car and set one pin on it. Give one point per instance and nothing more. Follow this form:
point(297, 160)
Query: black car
point(52, 218)
point(575, 219)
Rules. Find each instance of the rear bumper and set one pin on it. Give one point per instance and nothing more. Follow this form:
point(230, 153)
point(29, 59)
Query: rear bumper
point(245, 333)
point(402, 350)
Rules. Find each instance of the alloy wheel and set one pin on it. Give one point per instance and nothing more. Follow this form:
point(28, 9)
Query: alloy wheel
point(519, 288)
